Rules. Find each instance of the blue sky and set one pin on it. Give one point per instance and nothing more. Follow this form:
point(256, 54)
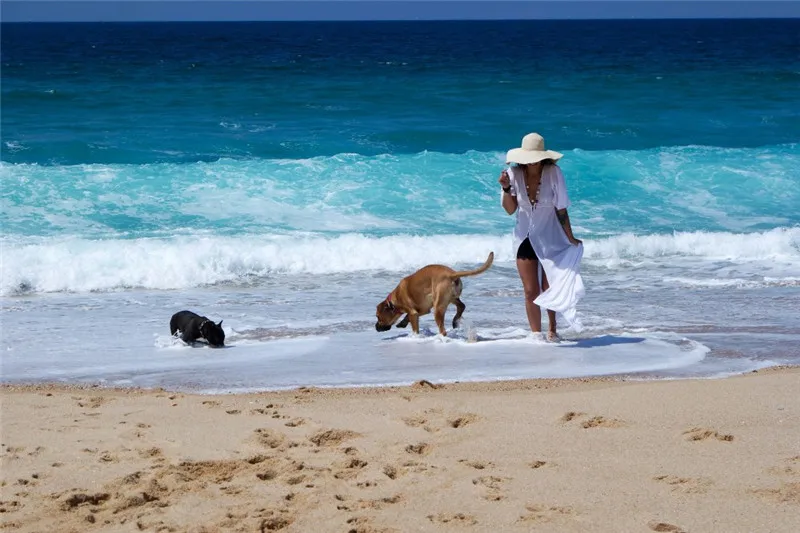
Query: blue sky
point(143, 10)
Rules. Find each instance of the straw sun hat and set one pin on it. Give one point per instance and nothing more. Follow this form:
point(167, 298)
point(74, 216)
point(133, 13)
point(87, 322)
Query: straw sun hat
point(531, 151)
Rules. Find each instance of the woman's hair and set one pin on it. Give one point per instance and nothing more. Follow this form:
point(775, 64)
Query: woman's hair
point(544, 162)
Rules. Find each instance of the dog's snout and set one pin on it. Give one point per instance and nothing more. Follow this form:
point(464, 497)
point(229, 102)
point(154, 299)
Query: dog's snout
point(381, 327)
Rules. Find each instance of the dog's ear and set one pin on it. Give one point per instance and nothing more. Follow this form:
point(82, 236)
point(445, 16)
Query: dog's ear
point(220, 324)
point(389, 305)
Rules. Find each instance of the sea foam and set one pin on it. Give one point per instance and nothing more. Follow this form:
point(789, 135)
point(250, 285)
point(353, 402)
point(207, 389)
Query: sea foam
point(55, 265)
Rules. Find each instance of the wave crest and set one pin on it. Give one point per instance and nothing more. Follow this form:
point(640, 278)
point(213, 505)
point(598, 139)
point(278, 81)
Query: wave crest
point(81, 265)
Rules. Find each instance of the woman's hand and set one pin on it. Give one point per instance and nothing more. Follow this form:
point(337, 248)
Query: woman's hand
point(505, 180)
point(575, 241)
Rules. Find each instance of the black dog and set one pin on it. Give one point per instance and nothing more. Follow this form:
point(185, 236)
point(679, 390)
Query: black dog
point(193, 326)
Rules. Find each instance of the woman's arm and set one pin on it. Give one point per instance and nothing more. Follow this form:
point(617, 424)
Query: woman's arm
point(562, 202)
point(563, 218)
point(509, 201)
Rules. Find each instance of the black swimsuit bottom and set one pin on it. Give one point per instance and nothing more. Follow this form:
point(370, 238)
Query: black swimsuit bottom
point(526, 251)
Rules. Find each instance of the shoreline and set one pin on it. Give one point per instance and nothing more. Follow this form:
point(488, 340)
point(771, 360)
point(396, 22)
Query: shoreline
point(573, 455)
point(473, 385)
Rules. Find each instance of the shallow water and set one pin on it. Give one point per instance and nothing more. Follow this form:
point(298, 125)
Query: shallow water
point(284, 177)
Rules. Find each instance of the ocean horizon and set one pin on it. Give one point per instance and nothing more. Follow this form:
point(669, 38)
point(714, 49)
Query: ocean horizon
point(282, 177)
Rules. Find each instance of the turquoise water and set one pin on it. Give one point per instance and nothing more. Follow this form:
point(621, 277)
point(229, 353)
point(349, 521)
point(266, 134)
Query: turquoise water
point(310, 165)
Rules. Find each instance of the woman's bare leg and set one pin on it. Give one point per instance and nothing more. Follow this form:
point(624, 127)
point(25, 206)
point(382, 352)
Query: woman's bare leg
point(528, 273)
point(551, 315)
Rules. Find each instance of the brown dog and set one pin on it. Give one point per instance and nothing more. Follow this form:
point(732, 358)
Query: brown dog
point(431, 287)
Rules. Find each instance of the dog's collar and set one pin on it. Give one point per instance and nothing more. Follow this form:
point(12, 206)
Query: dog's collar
point(203, 323)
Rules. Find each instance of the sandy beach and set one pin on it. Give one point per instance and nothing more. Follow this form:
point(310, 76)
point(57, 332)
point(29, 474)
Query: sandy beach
point(538, 455)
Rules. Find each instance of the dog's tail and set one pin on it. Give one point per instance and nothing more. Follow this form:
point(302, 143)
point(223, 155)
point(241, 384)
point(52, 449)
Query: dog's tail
point(479, 270)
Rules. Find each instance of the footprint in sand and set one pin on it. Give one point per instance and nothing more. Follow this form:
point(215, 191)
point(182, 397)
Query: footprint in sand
point(151, 453)
point(108, 457)
point(416, 467)
point(356, 463)
point(462, 420)
point(78, 499)
point(686, 485)
point(416, 421)
point(332, 437)
point(784, 493)
point(92, 403)
point(36, 451)
point(421, 448)
point(537, 464)
point(391, 471)
point(790, 468)
point(594, 422)
point(490, 482)
point(698, 433)
point(350, 468)
point(431, 419)
point(477, 465)
point(136, 432)
point(571, 415)
point(10, 506)
point(13, 452)
point(546, 513)
point(453, 518)
point(239, 518)
point(494, 486)
point(363, 524)
point(295, 480)
point(655, 525)
point(276, 523)
point(267, 475)
point(394, 472)
point(376, 503)
point(602, 422)
point(267, 412)
point(269, 438)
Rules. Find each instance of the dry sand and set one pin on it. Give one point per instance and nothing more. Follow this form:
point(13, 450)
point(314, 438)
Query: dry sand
point(539, 455)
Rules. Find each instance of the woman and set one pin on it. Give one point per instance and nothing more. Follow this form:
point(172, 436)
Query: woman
point(548, 254)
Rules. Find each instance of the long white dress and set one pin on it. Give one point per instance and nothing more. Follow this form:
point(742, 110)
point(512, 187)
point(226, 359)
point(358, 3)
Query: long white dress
point(560, 259)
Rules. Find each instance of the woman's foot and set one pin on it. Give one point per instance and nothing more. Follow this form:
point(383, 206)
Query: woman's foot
point(552, 336)
point(536, 335)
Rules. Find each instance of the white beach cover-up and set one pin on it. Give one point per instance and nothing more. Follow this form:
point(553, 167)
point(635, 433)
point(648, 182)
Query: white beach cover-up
point(560, 259)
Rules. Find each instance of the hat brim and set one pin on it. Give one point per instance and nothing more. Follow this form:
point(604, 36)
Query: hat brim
point(528, 157)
